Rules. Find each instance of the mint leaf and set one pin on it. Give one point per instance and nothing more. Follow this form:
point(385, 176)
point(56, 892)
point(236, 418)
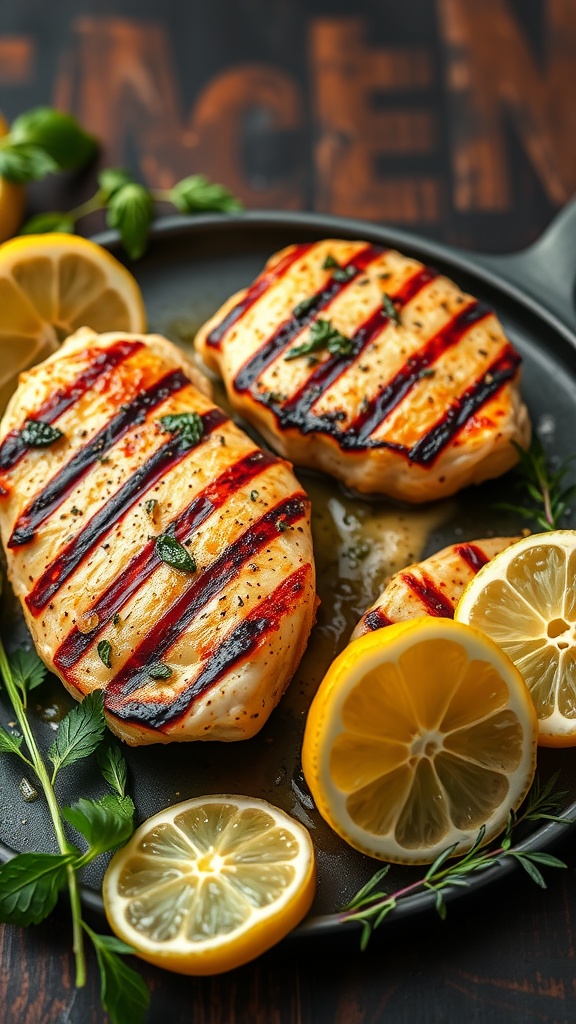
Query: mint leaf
point(198, 193)
point(390, 309)
point(80, 732)
point(113, 767)
point(104, 649)
point(111, 180)
point(29, 886)
point(42, 223)
point(159, 670)
point(322, 335)
point(28, 671)
point(188, 425)
point(58, 134)
point(103, 823)
point(10, 744)
point(121, 804)
point(123, 991)
point(170, 551)
point(36, 434)
point(22, 163)
point(131, 211)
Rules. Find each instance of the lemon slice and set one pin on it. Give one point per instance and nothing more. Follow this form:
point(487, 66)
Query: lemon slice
point(49, 286)
point(525, 599)
point(12, 198)
point(420, 734)
point(209, 884)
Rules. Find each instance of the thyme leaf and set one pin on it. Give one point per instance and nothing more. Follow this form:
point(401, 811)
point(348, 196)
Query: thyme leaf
point(544, 496)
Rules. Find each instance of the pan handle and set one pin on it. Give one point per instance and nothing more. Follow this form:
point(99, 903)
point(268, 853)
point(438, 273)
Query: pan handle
point(547, 268)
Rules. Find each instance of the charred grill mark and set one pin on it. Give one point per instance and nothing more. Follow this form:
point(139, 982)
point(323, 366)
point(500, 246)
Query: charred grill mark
point(13, 447)
point(376, 619)
point(435, 602)
point(71, 556)
point(288, 330)
point(472, 555)
point(169, 627)
point(141, 567)
point(465, 406)
point(238, 645)
point(260, 286)
point(296, 411)
point(66, 479)
point(386, 400)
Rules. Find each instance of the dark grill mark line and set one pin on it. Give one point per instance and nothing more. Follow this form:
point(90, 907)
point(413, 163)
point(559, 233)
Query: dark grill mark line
point(288, 330)
point(203, 587)
point(256, 290)
point(376, 619)
point(13, 448)
point(141, 567)
point(65, 564)
point(472, 555)
point(243, 641)
point(66, 479)
point(296, 411)
point(435, 602)
point(380, 407)
point(463, 408)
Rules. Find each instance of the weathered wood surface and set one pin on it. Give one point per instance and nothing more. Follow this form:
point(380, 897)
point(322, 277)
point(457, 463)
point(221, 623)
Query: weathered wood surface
point(452, 118)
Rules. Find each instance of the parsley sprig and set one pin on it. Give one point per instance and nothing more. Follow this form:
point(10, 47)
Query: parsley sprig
point(45, 141)
point(371, 905)
point(30, 883)
point(543, 493)
point(322, 335)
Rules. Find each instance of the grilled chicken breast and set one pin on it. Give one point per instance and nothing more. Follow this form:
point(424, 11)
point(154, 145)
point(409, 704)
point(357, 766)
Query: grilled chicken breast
point(167, 562)
point(431, 587)
point(360, 362)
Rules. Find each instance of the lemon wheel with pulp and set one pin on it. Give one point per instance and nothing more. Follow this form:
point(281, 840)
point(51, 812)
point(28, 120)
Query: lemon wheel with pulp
point(420, 735)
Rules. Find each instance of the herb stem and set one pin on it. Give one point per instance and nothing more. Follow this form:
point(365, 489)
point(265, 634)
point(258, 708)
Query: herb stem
point(92, 205)
point(46, 783)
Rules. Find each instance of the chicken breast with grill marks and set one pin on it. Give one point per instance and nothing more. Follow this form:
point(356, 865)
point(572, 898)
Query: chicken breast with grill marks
point(372, 367)
point(431, 587)
point(158, 553)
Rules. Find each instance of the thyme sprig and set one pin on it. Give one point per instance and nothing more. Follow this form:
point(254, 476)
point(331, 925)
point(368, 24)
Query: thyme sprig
point(371, 905)
point(544, 495)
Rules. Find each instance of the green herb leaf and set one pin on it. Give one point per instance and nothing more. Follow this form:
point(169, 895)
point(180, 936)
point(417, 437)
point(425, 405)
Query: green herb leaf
point(170, 551)
point(544, 496)
point(36, 434)
point(22, 163)
point(58, 134)
point(80, 732)
point(322, 336)
point(150, 506)
point(304, 307)
point(113, 766)
point(189, 427)
point(330, 262)
point(103, 823)
point(197, 193)
point(160, 671)
point(111, 180)
point(124, 994)
point(43, 223)
point(344, 274)
point(390, 309)
point(131, 212)
point(104, 650)
point(29, 886)
point(10, 744)
point(28, 671)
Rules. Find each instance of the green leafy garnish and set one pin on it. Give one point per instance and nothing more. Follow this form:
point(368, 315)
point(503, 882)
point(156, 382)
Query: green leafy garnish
point(159, 671)
point(173, 553)
point(197, 193)
point(390, 309)
point(57, 134)
point(28, 672)
point(330, 262)
point(22, 163)
point(323, 335)
point(371, 905)
point(36, 434)
point(189, 427)
point(304, 307)
point(113, 767)
point(130, 209)
point(30, 882)
point(104, 649)
point(544, 495)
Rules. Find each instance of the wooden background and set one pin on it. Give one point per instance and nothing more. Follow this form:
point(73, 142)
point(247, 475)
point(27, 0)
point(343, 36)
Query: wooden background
point(452, 118)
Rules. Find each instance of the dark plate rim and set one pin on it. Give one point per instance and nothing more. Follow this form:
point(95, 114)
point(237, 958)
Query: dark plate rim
point(427, 249)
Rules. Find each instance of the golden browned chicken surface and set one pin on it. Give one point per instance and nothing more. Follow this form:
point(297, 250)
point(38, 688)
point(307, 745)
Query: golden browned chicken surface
point(431, 587)
point(158, 553)
point(358, 361)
